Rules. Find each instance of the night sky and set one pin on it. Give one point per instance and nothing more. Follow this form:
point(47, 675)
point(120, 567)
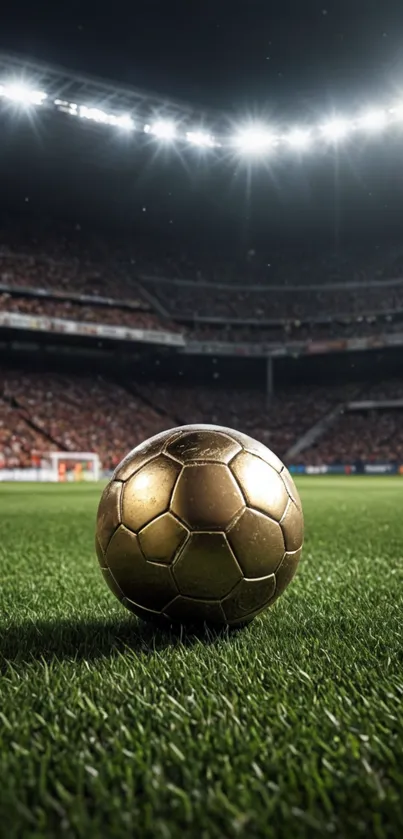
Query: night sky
point(231, 54)
point(280, 60)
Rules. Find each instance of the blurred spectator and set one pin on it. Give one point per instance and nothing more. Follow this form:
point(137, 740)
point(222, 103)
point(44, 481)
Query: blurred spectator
point(366, 436)
point(371, 435)
point(75, 311)
point(295, 331)
point(291, 289)
point(42, 412)
point(188, 301)
point(278, 423)
point(70, 413)
point(19, 442)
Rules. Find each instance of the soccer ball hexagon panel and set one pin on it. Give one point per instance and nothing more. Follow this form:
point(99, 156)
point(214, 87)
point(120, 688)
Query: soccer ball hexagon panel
point(199, 524)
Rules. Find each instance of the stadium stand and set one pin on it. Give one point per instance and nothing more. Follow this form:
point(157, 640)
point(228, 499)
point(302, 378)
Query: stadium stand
point(297, 331)
point(63, 274)
point(277, 423)
point(368, 430)
point(191, 300)
point(83, 312)
point(42, 412)
point(385, 390)
point(361, 436)
point(22, 269)
point(19, 441)
point(367, 298)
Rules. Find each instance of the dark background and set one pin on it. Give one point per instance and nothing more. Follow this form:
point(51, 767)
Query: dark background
point(231, 54)
point(294, 61)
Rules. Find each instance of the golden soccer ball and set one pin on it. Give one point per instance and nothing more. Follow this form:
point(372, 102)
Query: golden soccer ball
point(199, 524)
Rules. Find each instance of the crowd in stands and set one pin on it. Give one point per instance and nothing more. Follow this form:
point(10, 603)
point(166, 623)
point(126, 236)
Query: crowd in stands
point(360, 436)
point(291, 263)
point(388, 389)
point(43, 412)
point(75, 310)
point(278, 423)
point(18, 440)
point(71, 261)
point(140, 318)
point(295, 331)
point(371, 435)
point(192, 301)
point(69, 275)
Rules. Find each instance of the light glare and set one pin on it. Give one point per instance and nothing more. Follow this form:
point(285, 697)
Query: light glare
point(125, 121)
point(373, 120)
point(298, 138)
point(99, 116)
point(22, 94)
point(199, 138)
point(336, 129)
point(163, 129)
point(255, 140)
point(397, 111)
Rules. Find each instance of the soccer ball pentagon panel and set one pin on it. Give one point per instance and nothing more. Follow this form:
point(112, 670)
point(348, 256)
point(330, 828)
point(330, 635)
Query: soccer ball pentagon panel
point(199, 524)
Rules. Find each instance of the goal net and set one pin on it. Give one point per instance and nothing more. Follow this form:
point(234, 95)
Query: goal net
point(71, 466)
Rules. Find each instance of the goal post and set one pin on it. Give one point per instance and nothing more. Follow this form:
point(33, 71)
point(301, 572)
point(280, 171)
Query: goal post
point(66, 467)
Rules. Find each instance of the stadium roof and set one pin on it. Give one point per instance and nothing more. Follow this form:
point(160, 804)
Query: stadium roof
point(335, 173)
point(31, 82)
point(72, 86)
point(110, 103)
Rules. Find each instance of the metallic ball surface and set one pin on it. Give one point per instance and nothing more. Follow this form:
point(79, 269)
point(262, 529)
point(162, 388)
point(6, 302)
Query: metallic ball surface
point(199, 524)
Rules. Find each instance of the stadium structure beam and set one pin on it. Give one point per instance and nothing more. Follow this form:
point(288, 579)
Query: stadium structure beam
point(269, 378)
point(84, 89)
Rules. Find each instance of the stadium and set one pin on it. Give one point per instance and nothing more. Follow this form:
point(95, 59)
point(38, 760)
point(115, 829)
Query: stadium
point(164, 265)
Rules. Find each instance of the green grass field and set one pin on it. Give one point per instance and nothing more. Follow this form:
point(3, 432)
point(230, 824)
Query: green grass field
point(292, 727)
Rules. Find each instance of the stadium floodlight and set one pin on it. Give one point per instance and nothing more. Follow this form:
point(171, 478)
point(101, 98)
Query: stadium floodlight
point(255, 140)
point(125, 121)
point(298, 138)
point(374, 120)
point(336, 129)
point(199, 138)
point(22, 94)
point(70, 108)
point(97, 115)
point(397, 111)
point(93, 114)
point(163, 129)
